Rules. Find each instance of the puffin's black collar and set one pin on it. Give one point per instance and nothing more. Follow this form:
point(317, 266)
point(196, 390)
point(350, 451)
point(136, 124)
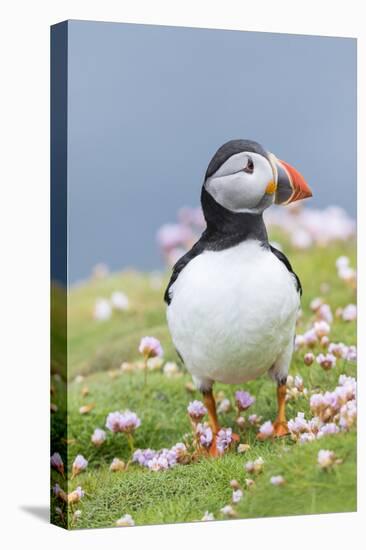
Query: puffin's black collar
point(226, 228)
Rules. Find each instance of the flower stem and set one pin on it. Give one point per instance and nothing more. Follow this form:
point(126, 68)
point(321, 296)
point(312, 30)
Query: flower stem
point(130, 442)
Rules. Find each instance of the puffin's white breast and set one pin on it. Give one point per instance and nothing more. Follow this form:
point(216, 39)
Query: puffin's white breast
point(233, 312)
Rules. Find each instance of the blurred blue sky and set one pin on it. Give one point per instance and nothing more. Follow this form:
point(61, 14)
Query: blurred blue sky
point(149, 105)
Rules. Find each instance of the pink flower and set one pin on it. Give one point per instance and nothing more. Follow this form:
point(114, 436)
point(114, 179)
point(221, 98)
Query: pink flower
point(243, 400)
point(80, 463)
point(266, 430)
point(338, 350)
point(237, 496)
point(349, 313)
point(298, 425)
point(310, 338)
point(126, 422)
point(352, 354)
point(254, 419)
point(75, 496)
point(196, 410)
point(223, 439)
point(309, 358)
point(125, 521)
point(150, 347)
point(98, 437)
point(321, 328)
point(277, 480)
point(315, 304)
point(326, 458)
point(329, 428)
point(327, 361)
point(204, 434)
point(324, 313)
point(57, 463)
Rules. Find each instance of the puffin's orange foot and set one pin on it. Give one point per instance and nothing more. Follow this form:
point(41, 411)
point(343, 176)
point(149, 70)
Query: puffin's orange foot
point(213, 451)
point(280, 429)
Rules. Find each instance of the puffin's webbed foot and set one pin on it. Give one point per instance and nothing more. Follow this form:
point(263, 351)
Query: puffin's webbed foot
point(280, 428)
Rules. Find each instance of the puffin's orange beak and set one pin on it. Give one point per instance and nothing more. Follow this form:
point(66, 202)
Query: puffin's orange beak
point(291, 185)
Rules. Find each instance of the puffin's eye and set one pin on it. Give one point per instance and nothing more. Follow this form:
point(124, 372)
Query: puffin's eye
point(249, 168)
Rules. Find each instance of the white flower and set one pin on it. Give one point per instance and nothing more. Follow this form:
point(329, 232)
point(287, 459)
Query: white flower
point(277, 480)
point(208, 516)
point(326, 458)
point(102, 310)
point(125, 521)
point(228, 511)
point(117, 465)
point(170, 369)
point(237, 496)
point(98, 437)
point(119, 301)
point(349, 313)
point(224, 406)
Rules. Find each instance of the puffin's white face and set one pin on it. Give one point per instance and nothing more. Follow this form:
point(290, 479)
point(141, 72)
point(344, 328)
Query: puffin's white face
point(243, 183)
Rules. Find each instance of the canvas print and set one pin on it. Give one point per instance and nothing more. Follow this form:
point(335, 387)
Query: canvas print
point(203, 264)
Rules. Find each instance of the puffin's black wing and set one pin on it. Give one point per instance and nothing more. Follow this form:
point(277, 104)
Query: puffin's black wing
point(285, 260)
point(196, 249)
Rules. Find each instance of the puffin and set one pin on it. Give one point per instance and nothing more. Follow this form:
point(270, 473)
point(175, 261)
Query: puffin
point(233, 298)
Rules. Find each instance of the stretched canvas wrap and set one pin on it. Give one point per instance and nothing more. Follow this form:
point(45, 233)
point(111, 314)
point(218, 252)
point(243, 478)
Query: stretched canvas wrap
point(203, 263)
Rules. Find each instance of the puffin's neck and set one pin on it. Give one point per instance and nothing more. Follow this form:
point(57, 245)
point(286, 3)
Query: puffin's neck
point(230, 228)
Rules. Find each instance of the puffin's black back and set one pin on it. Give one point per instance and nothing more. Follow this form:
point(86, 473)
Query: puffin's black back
point(230, 148)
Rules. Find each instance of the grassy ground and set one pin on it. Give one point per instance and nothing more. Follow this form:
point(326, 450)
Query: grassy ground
point(184, 493)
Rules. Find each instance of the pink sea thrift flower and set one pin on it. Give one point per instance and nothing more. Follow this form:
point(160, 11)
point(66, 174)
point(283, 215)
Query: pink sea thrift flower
point(196, 410)
point(126, 421)
point(310, 338)
point(80, 463)
point(237, 496)
point(223, 439)
point(338, 350)
point(57, 463)
point(204, 434)
point(321, 328)
point(228, 511)
point(324, 313)
point(243, 400)
point(150, 347)
point(277, 480)
point(326, 458)
point(316, 303)
point(266, 430)
point(125, 521)
point(143, 456)
point(75, 496)
point(329, 428)
point(351, 354)
point(98, 437)
point(309, 358)
point(254, 419)
point(298, 425)
point(327, 361)
point(349, 313)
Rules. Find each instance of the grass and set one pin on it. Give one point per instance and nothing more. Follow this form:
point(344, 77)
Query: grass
point(184, 493)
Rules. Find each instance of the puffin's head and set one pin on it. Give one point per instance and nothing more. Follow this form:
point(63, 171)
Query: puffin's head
point(244, 177)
